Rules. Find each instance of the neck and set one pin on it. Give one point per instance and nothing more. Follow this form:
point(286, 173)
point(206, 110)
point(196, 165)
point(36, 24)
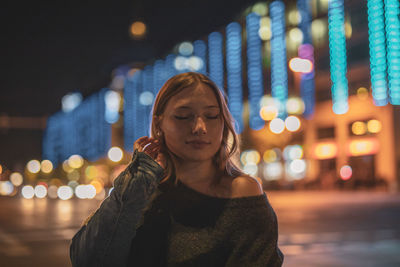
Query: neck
point(196, 173)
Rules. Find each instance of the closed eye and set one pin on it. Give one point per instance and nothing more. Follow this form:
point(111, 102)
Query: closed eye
point(181, 118)
point(212, 117)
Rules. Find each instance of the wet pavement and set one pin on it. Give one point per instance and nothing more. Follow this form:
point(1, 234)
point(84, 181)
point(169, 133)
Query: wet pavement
point(316, 229)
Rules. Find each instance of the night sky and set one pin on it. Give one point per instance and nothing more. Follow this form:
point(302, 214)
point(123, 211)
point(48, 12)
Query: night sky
point(50, 48)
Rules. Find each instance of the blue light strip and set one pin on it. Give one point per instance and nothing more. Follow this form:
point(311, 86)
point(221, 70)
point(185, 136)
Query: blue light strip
point(148, 81)
point(307, 84)
point(234, 72)
point(200, 50)
point(169, 66)
point(377, 51)
point(215, 59)
point(338, 60)
point(158, 75)
point(83, 131)
point(130, 109)
point(392, 20)
point(144, 111)
point(279, 80)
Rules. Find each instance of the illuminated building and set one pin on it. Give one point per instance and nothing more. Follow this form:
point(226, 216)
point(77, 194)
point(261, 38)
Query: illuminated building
point(315, 97)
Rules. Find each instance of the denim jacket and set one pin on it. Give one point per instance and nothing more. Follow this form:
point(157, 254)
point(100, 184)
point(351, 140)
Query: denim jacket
point(105, 239)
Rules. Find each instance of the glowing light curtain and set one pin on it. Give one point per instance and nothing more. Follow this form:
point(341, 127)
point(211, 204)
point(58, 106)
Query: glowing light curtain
point(254, 70)
point(234, 72)
point(131, 103)
point(159, 75)
point(338, 60)
point(200, 50)
point(279, 83)
point(306, 51)
point(392, 20)
point(215, 59)
point(377, 51)
point(83, 131)
point(169, 66)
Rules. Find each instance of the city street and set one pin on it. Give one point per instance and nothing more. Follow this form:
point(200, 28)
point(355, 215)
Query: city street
point(316, 229)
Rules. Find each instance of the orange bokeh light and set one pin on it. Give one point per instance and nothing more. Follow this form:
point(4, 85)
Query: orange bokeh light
point(365, 146)
point(325, 150)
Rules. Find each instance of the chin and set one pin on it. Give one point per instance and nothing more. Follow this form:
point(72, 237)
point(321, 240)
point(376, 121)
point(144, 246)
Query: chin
point(195, 155)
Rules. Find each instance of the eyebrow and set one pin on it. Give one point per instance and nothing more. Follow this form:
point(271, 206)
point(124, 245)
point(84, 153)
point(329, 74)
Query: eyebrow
point(187, 107)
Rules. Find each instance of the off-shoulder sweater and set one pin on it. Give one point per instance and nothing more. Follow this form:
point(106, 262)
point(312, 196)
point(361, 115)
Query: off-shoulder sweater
point(145, 223)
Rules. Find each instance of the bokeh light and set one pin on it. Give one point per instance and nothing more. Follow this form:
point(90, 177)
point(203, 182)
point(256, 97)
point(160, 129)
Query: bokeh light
point(277, 126)
point(40, 191)
point(138, 29)
point(297, 64)
point(295, 105)
point(52, 191)
point(346, 172)
point(75, 161)
point(16, 178)
point(296, 36)
point(325, 150)
point(115, 154)
point(294, 17)
point(268, 113)
point(64, 192)
point(359, 128)
point(146, 98)
point(91, 172)
point(292, 123)
point(85, 191)
point(66, 167)
point(46, 166)
point(33, 166)
point(270, 156)
point(374, 126)
point(273, 171)
point(6, 188)
point(185, 48)
point(250, 169)
point(293, 152)
point(362, 93)
point(260, 8)
point(28, 192)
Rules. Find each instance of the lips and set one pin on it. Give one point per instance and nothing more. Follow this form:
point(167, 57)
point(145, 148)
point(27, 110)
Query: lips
point(198, 144)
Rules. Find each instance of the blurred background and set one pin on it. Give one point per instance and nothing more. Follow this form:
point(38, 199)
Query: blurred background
point(313, 85)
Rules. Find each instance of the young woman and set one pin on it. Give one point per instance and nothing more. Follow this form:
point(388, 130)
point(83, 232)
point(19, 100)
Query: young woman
point(182, 201)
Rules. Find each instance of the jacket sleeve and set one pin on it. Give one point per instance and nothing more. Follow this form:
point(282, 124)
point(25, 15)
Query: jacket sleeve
point(256, 244)
point(105, 239)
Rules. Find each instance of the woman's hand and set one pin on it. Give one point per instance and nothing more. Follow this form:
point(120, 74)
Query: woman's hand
point(151, 147)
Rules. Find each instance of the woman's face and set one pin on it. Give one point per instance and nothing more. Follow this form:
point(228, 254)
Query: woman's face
point(192, 124)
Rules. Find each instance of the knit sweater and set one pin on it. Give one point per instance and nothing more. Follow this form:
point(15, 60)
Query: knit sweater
point(184, 227)
point(145, 223)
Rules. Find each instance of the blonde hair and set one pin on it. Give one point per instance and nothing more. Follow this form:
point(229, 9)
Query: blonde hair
point(224, 158)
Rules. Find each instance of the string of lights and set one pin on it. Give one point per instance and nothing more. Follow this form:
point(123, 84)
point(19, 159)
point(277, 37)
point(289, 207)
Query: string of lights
point(200, 50)
point(234, 72)
point(254, 70)
point(338, 60)
point(377, 51)
point(215, 59)
point(306, 51)
point(279, 86)
point(392, 20)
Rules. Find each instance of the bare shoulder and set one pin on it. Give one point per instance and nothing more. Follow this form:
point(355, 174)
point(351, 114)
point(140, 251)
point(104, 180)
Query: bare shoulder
point(245, 186)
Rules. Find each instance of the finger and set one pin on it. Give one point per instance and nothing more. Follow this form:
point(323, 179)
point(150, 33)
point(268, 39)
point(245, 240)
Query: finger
point(151, 147)
point(140, 142)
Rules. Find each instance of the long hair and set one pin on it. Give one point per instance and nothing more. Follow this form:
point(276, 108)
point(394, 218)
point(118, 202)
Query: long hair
point(225, 156)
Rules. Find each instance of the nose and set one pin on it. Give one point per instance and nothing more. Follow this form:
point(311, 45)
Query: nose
point(199, 127)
